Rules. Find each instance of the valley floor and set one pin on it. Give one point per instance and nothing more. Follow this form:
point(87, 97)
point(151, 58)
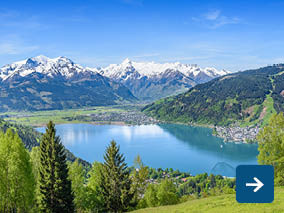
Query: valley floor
point(222, 204)
point(119, 115)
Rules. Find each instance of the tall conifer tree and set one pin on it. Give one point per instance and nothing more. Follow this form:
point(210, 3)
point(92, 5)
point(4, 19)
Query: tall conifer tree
point(116, 183)
point(55, 194)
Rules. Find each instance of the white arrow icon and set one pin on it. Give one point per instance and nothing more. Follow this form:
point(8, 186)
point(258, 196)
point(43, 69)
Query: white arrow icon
point(257, 183)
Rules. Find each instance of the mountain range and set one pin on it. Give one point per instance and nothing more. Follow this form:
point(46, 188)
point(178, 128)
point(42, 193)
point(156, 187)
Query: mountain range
point(150, 80)
point(246, 98)
point(42, 83)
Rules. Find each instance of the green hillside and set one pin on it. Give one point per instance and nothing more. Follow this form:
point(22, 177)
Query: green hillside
point(36, 92)
point(222, 204)
point(31, 138)
point(248, 97)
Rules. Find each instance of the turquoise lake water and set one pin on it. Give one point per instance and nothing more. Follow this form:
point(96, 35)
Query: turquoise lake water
point(189, 149)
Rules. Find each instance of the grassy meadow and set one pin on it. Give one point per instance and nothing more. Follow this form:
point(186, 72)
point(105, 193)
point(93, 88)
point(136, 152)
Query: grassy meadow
point(222, 204)
point(40, 118)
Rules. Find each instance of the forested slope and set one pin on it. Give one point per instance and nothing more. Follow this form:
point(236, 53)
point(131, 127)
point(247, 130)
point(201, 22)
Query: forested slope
point(248, 97)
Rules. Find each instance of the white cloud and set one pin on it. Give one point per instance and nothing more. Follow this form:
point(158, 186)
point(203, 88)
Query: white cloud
point(212, 15)
point(215, 19)
point(224, 20)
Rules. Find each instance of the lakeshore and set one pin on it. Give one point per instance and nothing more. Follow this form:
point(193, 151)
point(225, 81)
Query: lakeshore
point(122, 115)
point(233, 133)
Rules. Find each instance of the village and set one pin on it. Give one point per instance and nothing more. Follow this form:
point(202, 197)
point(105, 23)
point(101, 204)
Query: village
point(237, 134)
point(119, 118)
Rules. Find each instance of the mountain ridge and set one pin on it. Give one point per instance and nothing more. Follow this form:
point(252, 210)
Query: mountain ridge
point(245, 98)
point(44, 65)
point(146, 81)
point(149, 80)
point(143, 68)
point(41, 83)
point(153, 68)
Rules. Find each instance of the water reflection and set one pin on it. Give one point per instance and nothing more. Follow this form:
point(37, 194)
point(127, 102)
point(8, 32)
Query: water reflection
point(202, 139)
point(130, 132)
point(73, 135)
point(191, 149)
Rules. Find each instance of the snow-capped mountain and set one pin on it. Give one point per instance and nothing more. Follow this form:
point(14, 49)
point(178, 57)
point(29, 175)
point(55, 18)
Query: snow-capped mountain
point(151, 69)
point(41, 83)
point(55, 83)
point(127, 69)
point(41, 64)
point(150, 80)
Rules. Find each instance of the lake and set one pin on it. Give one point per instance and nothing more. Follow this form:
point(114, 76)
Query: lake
point(187, 148)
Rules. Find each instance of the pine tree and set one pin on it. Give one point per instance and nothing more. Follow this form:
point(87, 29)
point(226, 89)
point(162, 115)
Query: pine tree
point(77, 178)
point(55, 194)
point(17, 184)
point(116, 183)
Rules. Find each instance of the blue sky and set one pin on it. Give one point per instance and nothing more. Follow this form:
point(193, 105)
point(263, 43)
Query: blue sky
point(233, 35)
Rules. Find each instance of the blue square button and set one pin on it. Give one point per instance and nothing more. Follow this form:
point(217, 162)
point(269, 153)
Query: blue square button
point(255, 184)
